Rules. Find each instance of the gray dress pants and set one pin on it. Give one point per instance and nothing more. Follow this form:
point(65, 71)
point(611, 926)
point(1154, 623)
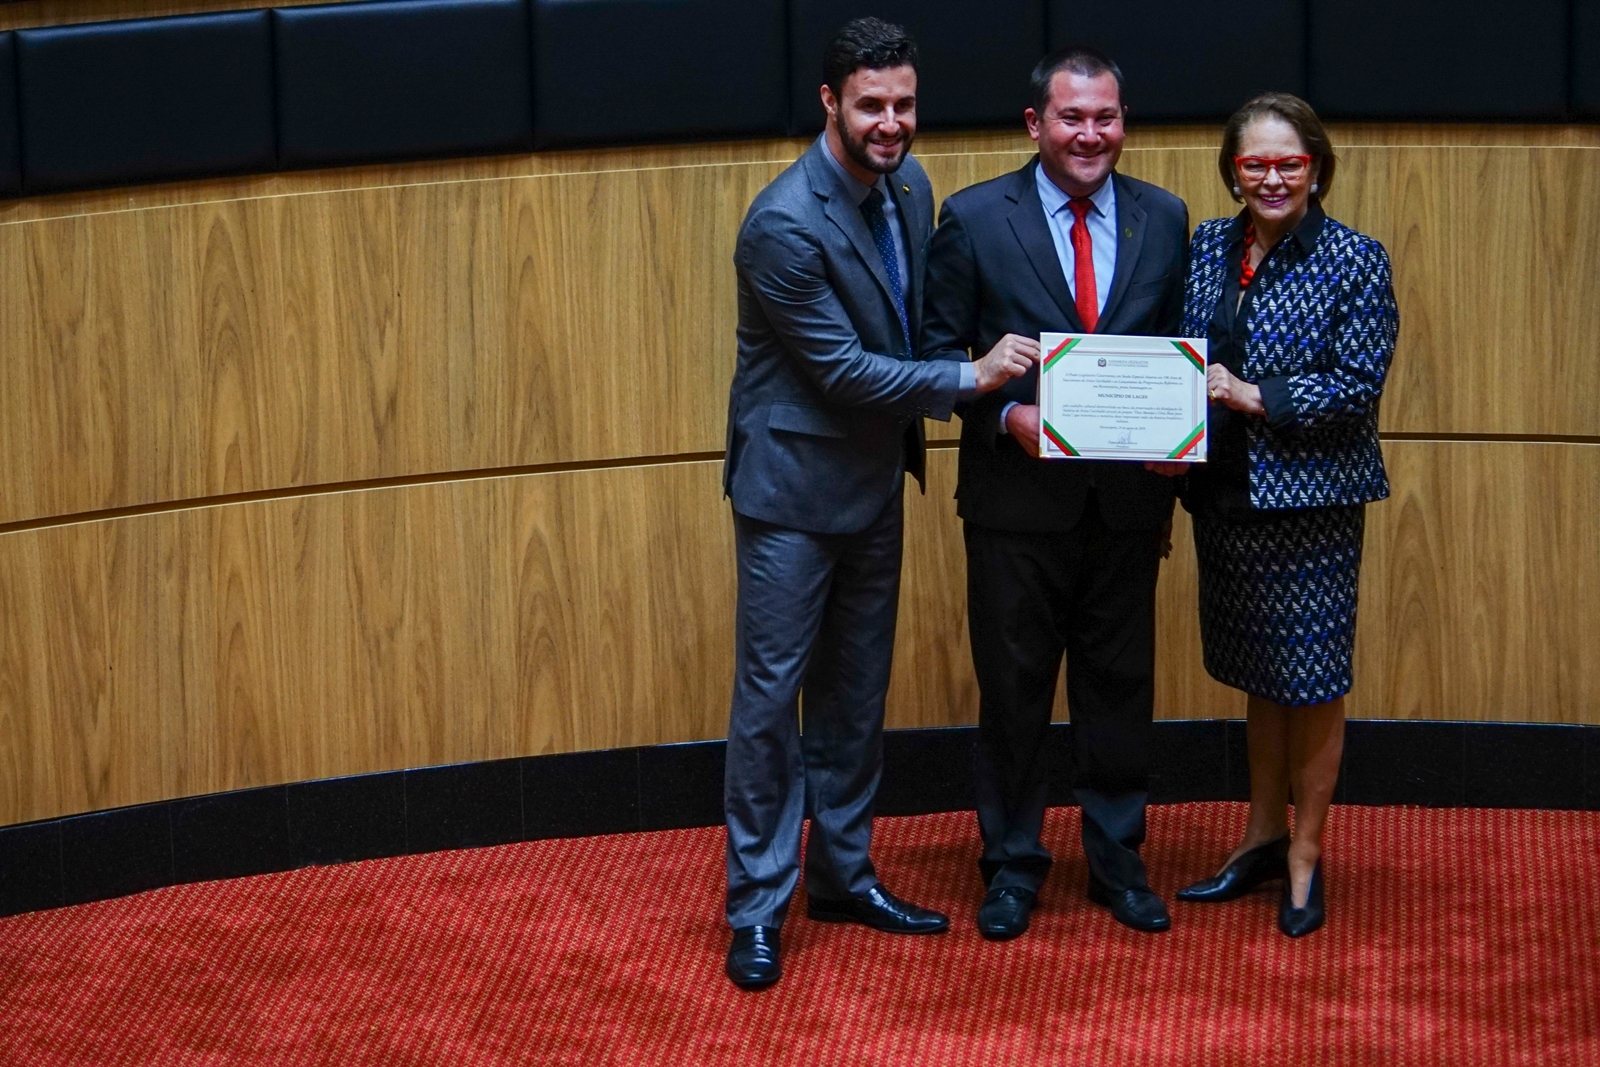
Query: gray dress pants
point(816, 615)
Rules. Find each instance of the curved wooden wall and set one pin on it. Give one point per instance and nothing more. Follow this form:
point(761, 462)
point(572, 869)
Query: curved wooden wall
point(324, 473)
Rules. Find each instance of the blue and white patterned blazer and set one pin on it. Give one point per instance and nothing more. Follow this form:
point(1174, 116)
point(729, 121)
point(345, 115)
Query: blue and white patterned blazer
point(1321, 334)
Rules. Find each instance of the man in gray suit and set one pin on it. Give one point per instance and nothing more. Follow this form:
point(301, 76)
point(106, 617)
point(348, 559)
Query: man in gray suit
point(824, 420)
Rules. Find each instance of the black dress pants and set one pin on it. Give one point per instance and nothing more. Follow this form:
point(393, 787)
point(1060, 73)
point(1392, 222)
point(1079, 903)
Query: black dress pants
point(1089, 593)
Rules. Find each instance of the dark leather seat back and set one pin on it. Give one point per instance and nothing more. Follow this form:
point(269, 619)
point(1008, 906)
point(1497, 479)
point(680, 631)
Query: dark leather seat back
point(1191, 59)
point(1439, 59)
point(975, 62)
point(10, 142)
point(402, 80)
point(610, 71)
point(145, 100)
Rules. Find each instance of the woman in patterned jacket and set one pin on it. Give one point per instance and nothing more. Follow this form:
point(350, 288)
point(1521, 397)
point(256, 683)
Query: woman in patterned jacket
point(1301, 318)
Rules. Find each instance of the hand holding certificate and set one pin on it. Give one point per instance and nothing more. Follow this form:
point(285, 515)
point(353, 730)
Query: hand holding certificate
point(1103, 396)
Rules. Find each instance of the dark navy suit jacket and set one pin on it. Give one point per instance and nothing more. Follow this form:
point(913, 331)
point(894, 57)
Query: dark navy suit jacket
point(993, 270)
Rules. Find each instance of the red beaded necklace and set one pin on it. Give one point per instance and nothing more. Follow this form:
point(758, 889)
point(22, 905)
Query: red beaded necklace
point(1247, 273)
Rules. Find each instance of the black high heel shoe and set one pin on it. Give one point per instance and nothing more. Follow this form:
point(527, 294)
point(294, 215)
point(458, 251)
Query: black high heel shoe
point(1261, 864)
point(1298, 922)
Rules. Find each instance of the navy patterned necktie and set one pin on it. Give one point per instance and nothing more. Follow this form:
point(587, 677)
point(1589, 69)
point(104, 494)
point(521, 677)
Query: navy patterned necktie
point(872, 209)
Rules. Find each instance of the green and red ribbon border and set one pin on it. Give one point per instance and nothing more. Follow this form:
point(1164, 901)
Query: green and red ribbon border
point(1184, 447)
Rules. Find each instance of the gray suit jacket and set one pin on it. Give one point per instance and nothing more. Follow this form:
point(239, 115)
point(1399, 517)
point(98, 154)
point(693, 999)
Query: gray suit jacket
point(827, 402)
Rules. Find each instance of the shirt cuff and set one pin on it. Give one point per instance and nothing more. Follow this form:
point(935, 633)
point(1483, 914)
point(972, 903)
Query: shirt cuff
point(967, 388)
point(1001, 430)
point(1278, 399)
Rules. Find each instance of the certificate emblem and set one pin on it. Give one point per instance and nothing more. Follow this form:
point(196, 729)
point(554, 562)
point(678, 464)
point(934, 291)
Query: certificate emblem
point(1106, 396)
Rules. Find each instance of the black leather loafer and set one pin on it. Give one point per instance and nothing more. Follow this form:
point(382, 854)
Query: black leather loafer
point(879, 909)
point(1004, 913)
point(753, 957)
point(1298, 922)
point(1252, 868)
point(1137, 908)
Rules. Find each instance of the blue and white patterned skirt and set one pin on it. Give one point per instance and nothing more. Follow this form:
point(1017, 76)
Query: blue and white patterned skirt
point(1278, 600)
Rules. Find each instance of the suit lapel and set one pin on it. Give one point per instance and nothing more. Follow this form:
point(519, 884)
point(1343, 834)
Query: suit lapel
point(1033, 233)
point(847, 216)
point(1131, 221)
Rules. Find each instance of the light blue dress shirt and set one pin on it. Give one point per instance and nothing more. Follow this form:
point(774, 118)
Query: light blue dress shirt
point(1102, 223)
point(968, 386)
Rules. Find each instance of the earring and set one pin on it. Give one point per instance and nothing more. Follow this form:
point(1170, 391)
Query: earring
point(1315, 188)
point(1235, 190)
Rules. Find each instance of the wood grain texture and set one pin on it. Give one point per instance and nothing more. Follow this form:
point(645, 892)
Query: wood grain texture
point(25, 14)
point(333, 328)
point(250, 345)
point(1482, 585)
point(227, 647)
point(320, 337)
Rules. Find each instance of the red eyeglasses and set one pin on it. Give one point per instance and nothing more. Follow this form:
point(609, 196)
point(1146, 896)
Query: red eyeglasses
point(1255, 168)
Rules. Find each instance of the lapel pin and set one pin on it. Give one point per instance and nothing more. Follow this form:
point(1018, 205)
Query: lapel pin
point(1128, 232)
point(907, 188)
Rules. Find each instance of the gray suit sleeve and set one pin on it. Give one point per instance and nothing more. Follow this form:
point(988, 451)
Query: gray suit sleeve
point(785, 267)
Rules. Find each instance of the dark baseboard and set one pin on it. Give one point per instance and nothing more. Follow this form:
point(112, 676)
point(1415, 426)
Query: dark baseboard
point(106, 854)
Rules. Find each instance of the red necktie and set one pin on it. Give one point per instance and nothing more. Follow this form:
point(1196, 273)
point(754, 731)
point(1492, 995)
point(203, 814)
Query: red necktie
point(1083, 264)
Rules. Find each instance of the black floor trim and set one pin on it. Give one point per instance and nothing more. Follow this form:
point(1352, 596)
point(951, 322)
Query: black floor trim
point(106, 854)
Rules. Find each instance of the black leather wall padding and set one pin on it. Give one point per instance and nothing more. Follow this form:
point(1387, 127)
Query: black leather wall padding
point(10, 143)
point(975, 57)
point(1585, 54)
point(408, 79)
point(1191, 59)
point(1439, 59)
point(145, 100)
point(652, 70)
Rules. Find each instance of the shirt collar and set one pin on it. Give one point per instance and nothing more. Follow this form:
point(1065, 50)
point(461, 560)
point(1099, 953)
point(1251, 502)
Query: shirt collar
point(1305, 235)
point(848, 183)
point(1055, 200)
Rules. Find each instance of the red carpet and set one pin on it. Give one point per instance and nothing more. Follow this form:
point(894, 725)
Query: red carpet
point(1459, 937)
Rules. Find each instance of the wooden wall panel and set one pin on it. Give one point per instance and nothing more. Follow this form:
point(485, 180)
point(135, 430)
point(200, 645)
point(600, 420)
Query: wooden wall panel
point(325, 337)
point(240, 346)
point(226, 647)
point(1482, 585)
point(25, 14)
point(166, 348)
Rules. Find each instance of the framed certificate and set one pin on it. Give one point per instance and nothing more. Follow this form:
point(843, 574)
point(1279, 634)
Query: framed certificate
point(1104, 396)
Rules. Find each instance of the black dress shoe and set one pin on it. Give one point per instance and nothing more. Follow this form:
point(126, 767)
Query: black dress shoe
point(1138, 908)
point(1298, 922)
point(1260, 864)
point(753, 957)
point(879, 909)
point(1004, 912)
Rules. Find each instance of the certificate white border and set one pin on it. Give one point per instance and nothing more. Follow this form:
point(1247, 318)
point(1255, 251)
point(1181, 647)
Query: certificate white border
point(1190, 351)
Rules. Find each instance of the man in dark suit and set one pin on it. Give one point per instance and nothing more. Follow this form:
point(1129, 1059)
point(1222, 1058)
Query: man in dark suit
point(1062, 555)
point(824, 420)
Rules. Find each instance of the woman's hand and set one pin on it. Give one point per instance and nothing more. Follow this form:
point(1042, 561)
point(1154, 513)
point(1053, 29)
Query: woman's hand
point(1022, 423)
point(1233, 392)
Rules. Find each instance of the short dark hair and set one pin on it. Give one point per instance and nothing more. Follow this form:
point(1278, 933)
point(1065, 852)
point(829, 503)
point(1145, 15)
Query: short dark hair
point(1077, 59)
point(1297, 113)
point(866, 42)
